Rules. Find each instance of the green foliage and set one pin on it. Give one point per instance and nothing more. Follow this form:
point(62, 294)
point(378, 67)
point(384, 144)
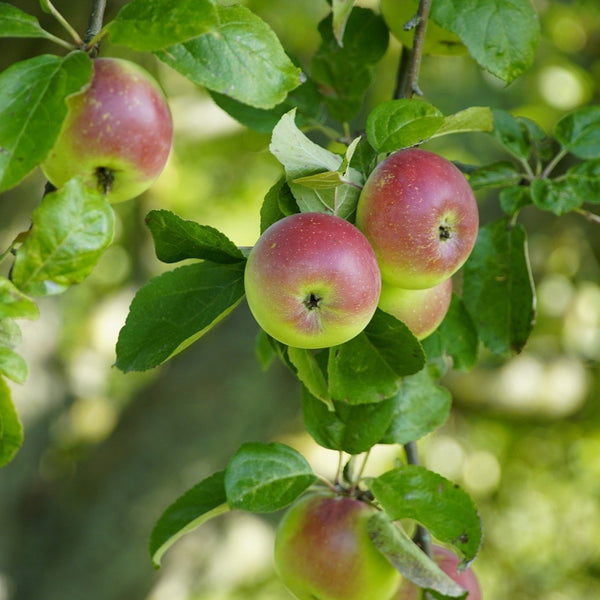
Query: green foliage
point(30, 91)
point(242, 58)
point(11, 430)
point(16, 23)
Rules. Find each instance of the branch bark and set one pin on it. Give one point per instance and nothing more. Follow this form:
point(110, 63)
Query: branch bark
point(95, 24)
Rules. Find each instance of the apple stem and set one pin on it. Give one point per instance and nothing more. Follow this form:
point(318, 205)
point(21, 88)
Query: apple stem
point(93, 35)
point(410, 62)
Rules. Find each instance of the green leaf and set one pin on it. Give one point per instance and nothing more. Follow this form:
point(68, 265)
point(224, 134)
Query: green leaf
point(14, 303)
point(301, 157)
point(344, 72)
point(498, 290)
point(242, 58)
point(501, 35)
point(71, 229)
point(10, 333)
point(584, 179)
point(266, 477)
point(12, 365)
point(421, 406)
point(474, 118)
point(456, 337)
point(341, 10)
point(514, 198)
point(498, 174)
point(16, 23)
point(155, 24)
point(510, 134)
point(446, 510)
point(556, 196)
point(579, 132)
point(402, 123)
point(347, 428)
point(176, 239)
point(32, 109)
point(199, 504)
point(392, 541)
point(11, 430)
point(368, 368)
point(310, 372)
point(279, 202)
point(174, 309)
point(265, 353)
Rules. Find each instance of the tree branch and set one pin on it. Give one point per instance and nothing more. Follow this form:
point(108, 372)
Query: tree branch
point(95, 25)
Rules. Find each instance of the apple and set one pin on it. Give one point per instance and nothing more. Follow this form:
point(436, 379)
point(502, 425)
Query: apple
point(323, 551)
point(420, 215)
point(448, 562)
point(421, 311)
point(117, 134)
point(438, 41)
point(312, 280)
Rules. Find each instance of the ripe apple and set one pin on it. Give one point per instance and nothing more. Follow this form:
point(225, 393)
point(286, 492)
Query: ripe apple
point(438, 41)
point(323, 551)
point(117, 133)
point(312, 280)
point(448, 562)
point(421, 311)
point(420, 215)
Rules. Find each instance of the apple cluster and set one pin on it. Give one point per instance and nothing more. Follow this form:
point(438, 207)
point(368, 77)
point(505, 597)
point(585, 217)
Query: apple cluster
point(117, 134)
point(314, 280)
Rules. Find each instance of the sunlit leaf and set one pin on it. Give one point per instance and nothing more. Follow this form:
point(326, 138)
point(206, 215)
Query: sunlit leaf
point(11, 430)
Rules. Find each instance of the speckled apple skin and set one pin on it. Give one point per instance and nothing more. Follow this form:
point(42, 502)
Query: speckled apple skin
point(323, 552)
point(314, 254)
point(420, 215)
point(121, 122)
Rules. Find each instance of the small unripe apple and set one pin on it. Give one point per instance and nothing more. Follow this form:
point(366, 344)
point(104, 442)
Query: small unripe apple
point(323, 551)
point(312, 280)
point(438, 41)
point(420, 215)
point(421, 311)
point(448, 562)
point(117, 134)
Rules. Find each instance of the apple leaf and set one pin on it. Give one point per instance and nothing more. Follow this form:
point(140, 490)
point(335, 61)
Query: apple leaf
point(498, 174)
point(11, 430)
point(242, 58)
point(32, 109)
point(279, 202)
point(199, 504)
point(16, 23)
point(556, 196)
point(266, 477)
point(345, 71)
point(14, 303)
point(584, 179)
point(174, 309)
point(501, 35)
point(10, 333)
point(176, 239)
point(441, 506)
point(344, 427)
point(474, 118)
point(147, 25)
point(302, 158)
point(579, 132)
point(498, 290)
point(310, 371)
point(397, 124)
point(512, 199)
point(421, 406)
point(341, 10)
point(71, 229)
point(510, 134)
point(391, 540)
point(12, 365)
point(456, 337)
point(368, 368)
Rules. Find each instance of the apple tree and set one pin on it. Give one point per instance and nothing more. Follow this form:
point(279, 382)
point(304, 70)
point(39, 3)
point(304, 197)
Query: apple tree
point(372, 278)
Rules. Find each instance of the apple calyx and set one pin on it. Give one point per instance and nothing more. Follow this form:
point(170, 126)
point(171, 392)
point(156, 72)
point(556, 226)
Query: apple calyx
point(106, 178)
point(312, 301)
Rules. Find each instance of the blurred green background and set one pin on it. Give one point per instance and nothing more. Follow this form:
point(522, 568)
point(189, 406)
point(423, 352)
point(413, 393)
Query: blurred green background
point(105, 453)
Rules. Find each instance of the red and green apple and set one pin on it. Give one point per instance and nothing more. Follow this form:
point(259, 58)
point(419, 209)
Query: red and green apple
point(420, 215)
point(323, 551)
point(312, 280)
point(421, 311)
point(117, 134)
